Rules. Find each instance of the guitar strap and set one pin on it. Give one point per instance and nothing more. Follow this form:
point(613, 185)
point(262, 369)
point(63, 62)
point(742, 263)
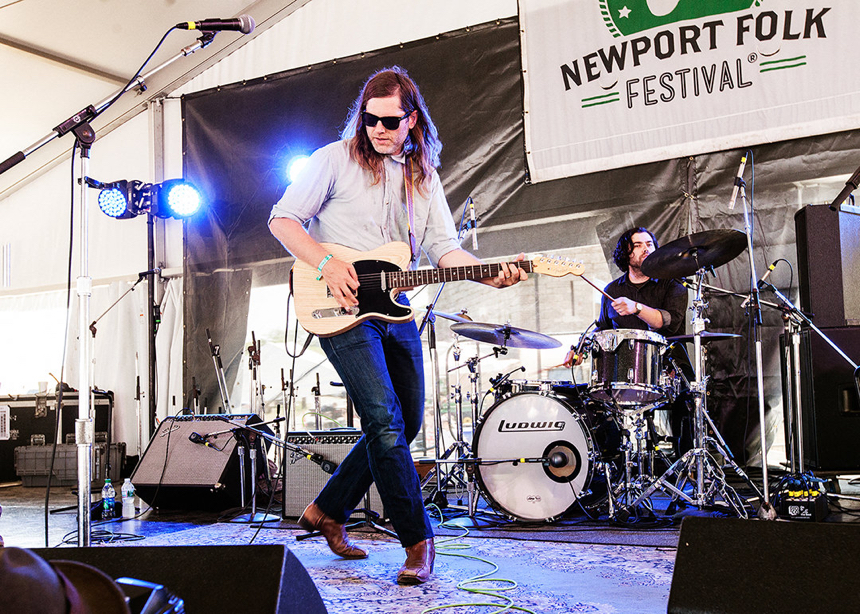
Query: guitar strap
point(410, 209)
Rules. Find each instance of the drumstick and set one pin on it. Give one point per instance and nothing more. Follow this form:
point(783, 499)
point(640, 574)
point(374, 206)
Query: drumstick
point(588, 281)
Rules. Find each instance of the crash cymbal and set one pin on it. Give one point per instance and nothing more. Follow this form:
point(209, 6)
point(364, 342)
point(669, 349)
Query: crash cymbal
point(461, 317)
point(688, 254)
point(505, 335)
point(706, 336)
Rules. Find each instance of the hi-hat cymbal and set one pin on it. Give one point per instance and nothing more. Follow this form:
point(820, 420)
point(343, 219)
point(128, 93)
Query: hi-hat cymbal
point(505, 335)
point(688, 254)
point(706, 336)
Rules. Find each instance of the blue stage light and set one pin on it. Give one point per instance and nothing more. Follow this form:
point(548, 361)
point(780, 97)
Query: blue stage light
point(296, 166)
point(113, 202)
point(175, 198)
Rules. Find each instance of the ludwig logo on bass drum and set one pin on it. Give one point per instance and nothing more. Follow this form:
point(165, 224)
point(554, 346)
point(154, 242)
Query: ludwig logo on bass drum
point(511, 427)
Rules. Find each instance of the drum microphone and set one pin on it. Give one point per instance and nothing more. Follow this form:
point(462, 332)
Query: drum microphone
point(495, 381)
point(738, 182)
point(578, 352)
point(558, 459)
point(767, 273)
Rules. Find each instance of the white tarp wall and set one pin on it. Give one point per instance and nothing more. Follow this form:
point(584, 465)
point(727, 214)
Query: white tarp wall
point(613, 83)
point(34, 220)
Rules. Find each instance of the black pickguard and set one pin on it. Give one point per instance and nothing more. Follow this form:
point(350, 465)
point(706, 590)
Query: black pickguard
point(371, 296)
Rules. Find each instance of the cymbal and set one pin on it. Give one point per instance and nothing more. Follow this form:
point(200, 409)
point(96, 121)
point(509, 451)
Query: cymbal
point(706, 336)
point(688, 254)
point(459, 317)
point(505, 335)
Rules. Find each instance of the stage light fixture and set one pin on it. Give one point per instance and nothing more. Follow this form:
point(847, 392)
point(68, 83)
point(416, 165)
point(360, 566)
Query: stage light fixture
point(129, 198)
point(175, 198)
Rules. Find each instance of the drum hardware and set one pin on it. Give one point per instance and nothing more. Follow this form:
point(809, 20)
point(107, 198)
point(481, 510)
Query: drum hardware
point(697, 467)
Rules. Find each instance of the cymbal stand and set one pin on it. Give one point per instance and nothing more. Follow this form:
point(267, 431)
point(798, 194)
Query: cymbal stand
point(697, 466)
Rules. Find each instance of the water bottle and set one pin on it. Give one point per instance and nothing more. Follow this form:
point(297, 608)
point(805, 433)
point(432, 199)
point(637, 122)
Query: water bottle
point(127, 491)
point(108, 500)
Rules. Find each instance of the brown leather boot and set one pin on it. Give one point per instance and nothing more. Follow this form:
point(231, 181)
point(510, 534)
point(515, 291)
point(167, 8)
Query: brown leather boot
point(419, 563)
point(313, 519)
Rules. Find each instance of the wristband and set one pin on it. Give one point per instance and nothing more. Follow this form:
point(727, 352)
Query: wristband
point(322, 264)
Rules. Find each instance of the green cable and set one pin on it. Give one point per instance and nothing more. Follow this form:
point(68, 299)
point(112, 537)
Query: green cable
point(316, 413)
point(445, 548)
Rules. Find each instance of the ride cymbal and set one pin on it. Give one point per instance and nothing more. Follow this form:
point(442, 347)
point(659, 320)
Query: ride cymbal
point(685, 256)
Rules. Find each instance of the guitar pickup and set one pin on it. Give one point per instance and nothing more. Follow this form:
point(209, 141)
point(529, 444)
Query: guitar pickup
point(334, 312)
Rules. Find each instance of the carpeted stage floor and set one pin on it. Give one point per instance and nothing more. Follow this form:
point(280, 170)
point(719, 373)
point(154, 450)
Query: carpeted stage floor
point(574, 565)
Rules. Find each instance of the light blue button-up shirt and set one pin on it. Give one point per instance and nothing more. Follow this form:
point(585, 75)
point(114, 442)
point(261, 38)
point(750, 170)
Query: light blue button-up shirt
point(337, 201)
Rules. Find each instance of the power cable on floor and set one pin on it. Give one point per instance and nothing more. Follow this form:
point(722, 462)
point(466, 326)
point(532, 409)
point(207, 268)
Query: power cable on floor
point(446, 547)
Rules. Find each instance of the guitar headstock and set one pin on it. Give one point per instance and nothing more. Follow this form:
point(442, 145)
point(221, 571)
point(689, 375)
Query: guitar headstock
point(556, 266)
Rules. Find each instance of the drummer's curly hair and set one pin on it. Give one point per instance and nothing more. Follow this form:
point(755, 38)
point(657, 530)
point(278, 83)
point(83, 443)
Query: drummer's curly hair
point(624, 247)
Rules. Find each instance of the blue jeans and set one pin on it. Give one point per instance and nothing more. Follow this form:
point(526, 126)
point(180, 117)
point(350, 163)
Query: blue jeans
point(381, 366)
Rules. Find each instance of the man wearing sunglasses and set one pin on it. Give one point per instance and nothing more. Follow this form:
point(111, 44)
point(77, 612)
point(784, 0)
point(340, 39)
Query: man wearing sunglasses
point(377, 184)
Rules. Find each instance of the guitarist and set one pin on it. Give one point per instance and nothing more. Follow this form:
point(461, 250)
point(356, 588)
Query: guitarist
point(377, 184)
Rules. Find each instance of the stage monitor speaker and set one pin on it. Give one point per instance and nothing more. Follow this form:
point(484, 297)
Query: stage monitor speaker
point(211, 579)
point(729, 565)
point(177, 473)
point(303, 480)
point(828, 258)
point(830, 408)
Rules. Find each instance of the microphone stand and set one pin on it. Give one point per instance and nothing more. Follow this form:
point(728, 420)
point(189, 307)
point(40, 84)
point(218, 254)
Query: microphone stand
point(766, 511)
point(794, 320)
point(215, 350)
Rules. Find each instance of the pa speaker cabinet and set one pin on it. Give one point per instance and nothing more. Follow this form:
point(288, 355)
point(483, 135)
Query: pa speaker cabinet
point(210, 579)
point(830, 408)
point(28, 420)
point(175, 472)
point(303, 480)
point(828, 257)
point(728, 565)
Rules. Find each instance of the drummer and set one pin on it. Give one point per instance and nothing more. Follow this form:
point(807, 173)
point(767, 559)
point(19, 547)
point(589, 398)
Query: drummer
point(642, 302)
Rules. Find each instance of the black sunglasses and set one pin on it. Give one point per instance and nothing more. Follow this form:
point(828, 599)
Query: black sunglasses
point(389, 123)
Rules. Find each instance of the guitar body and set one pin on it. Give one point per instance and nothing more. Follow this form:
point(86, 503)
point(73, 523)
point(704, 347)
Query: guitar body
point(317, 310)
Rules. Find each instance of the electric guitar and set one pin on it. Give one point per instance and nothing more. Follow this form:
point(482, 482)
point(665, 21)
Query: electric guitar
point(381, 274)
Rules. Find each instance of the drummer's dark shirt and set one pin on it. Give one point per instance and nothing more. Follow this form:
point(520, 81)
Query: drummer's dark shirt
point(667, 295)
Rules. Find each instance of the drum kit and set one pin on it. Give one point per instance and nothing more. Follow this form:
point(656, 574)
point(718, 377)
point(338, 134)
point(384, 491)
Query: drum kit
point(544, 449)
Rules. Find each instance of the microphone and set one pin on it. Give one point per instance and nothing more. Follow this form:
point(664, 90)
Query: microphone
point(326, 465)
point(243, 23)
point(198, 438)
point(557, 460)
point(474, 224)
point(582, 339)
point(738, 181)
point(155, 271)
point(767, 273)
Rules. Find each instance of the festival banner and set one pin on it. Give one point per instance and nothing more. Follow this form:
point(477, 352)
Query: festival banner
point(613, 83)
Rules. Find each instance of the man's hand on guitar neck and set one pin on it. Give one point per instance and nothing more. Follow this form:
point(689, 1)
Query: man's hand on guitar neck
point(508, 275)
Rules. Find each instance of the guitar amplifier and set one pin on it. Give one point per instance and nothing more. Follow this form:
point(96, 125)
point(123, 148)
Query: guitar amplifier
point(303, 479)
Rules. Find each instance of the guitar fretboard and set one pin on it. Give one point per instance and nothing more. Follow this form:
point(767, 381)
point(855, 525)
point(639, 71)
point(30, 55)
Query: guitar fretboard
point(408, 279)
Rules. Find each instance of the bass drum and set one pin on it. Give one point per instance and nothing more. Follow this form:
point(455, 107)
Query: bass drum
point(529, 426)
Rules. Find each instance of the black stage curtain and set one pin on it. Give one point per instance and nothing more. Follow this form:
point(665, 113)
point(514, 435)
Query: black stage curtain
point(238, 137)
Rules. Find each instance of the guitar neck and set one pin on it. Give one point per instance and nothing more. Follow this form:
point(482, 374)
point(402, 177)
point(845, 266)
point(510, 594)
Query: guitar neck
point(409, 279)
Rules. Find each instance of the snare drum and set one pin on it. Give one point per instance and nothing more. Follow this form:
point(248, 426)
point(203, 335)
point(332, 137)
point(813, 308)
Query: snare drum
point(626, 368)
point(535, 425)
